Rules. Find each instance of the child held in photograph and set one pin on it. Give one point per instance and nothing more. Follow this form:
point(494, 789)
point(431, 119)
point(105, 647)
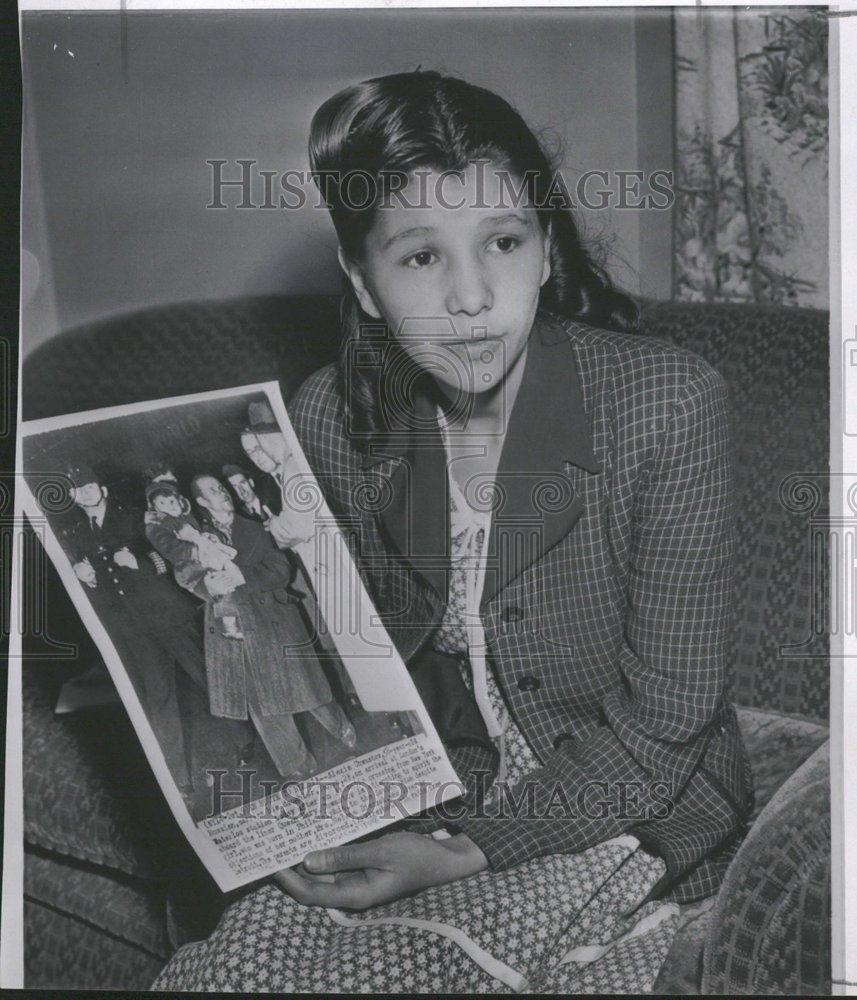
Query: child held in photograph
point(193, 553)
point(579, 666)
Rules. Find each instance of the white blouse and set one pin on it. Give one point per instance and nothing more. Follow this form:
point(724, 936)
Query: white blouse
point(461, 629)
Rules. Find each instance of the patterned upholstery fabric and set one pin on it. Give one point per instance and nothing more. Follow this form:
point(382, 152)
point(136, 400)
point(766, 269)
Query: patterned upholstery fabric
point(183, 348)
point(76, 799)
point(64, 953)
point(777, 746)
point(770, 931)
point(119, 907)
point(775, 362)
point(103, 857)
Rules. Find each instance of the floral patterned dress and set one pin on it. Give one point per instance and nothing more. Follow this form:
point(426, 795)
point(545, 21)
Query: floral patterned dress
point(470, 528)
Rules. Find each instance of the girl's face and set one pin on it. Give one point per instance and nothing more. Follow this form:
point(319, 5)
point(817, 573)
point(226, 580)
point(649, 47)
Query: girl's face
point(168, 504)
point(455, 272)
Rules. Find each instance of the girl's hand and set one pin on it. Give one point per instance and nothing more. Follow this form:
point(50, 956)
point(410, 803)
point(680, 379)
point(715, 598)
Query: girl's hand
point(381, 870)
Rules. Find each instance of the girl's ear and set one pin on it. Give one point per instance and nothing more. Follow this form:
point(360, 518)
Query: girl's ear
point(358, 283)
point(546, 269)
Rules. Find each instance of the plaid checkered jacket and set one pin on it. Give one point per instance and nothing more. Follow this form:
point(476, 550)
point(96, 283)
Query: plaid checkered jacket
point(607, 596)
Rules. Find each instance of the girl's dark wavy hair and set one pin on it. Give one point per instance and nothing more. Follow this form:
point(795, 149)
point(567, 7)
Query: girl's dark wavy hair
point(393, 125)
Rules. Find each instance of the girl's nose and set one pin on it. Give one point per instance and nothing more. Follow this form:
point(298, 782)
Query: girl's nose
point(469, 292)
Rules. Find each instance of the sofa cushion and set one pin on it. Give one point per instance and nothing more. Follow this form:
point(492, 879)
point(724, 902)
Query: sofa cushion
point(88, 789)
point(65, 953)
point(73, 802)
point(777, 745)
point(181, 348)
point(121, 907)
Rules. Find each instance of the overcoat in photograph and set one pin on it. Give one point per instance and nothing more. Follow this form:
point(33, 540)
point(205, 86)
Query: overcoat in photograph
point(277, 653)
point(606, 604)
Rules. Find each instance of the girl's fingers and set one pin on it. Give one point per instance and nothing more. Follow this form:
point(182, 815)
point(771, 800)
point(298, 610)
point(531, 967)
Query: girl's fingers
point(300, 889)
point(350, 857)
point(312, 877)
point(353, 895)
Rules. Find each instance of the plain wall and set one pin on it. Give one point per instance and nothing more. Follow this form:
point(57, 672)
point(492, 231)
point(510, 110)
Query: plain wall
point(121, 114)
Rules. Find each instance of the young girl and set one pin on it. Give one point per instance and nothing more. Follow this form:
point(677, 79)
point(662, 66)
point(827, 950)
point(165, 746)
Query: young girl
point(176, 535)
point(559, 531)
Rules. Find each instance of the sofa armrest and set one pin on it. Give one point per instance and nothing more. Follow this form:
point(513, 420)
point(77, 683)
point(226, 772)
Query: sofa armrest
point(770, 930)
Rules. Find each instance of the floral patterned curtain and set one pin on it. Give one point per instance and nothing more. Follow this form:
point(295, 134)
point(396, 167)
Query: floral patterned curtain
point(750, 217)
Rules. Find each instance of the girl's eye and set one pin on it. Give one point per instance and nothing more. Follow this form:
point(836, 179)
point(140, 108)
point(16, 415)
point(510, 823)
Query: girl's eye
point(420, 259)
point(505, 244)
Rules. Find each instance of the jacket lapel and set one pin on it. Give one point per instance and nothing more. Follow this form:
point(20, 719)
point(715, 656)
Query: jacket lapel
point(415, 518)
point(548, 432)
point(244, 539)
point(548, 429)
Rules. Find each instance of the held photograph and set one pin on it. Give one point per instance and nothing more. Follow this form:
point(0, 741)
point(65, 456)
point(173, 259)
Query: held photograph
point(168, 519)
point(426, 451)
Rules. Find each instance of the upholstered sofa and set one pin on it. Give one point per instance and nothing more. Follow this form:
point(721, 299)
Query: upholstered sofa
point(111, 888)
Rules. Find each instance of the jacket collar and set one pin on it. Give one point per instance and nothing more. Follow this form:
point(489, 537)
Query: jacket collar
point(548, 431)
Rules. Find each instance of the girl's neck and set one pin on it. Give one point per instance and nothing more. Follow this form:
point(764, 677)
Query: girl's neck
point(488, 412)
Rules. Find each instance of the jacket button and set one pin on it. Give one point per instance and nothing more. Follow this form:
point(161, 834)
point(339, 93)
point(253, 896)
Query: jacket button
point(210, 628)
point(511, 614)
point(562, 738)
point(526, 682)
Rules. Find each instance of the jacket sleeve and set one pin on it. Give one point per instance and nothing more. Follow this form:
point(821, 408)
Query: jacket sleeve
point(164, 540)
point(656, 721)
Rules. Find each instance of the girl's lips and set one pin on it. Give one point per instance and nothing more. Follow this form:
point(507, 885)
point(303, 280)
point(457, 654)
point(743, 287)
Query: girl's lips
point(474, 342)
point(484, 350)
